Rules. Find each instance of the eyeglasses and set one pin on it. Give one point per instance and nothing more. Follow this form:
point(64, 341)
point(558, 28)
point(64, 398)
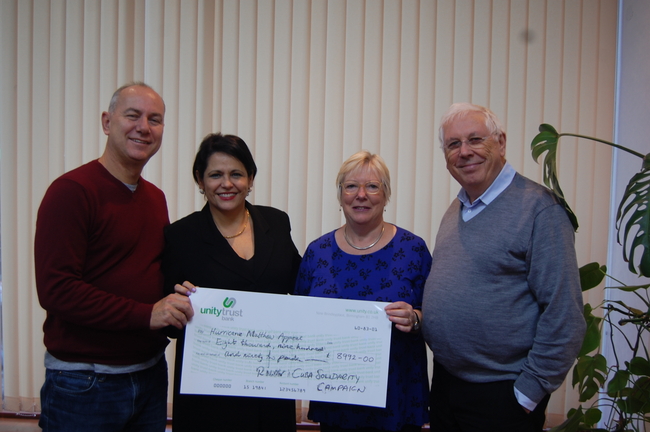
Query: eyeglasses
point(352, 187)
point(473, 142)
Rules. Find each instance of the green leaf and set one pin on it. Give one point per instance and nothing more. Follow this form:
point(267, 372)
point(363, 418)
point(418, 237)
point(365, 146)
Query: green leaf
point(589, 390)
point(592, 416)
point(543, 142)
point(618, 383)
point(640, 366)
point(546, 141)
point(639, 399)
point(621, 404)
point(590, 373)
point(634, 208)
point(545, 127)
point(570, 214)
point(631, 311)
point(630, 288)
point(572, 423)
point(576, 378)
point(593, 334)
point(591, 275)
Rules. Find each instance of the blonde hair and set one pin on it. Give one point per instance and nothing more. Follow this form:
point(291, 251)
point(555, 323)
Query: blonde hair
point(360, 160)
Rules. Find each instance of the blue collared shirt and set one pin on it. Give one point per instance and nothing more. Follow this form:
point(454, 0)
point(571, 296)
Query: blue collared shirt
point(503, 180)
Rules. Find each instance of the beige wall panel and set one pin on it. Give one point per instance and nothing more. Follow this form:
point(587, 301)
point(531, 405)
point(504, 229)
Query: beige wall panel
point(279, 170)
point(125, 36)
point(334, 105)
point(354, 72)
point(46, 158)
point(73, 58)
point(553, 64)
point(426, 147)
point(602, 112)
point(570, 82)
point(10, 237)
point(463, 67)
point(499, 73)
point(515, 114)
point(229, 65)
point(262, 87)
point(531, 36)
point(443, 187)
point(403, 200)
point(391, 146)
point(55, 67)
point(481, 29)
point(245, 104)
point(207, 52)
point(585, 161)
point(370, 78)
point(91, 71)
point(217, 69)
point(317, 186)
point(9, 112)
point(25, 312)
point(188, 93)
point(296, 163)
point(162, 72)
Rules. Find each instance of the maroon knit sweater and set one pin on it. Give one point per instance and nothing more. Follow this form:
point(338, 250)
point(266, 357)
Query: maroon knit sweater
point(97, 255)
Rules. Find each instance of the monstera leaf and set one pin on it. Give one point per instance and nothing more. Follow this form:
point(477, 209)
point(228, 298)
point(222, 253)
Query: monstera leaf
point(635, 210)
point(633, 218)
point(546, 141)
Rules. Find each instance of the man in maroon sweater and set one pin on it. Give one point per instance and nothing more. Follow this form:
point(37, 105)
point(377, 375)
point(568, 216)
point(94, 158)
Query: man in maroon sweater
point(98, 245)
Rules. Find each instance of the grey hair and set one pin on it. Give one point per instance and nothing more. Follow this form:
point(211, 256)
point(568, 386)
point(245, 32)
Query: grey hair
point(116, 95)
point(461, 109)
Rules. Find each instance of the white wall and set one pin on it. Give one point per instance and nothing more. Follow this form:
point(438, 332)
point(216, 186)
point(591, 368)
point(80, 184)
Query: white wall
point(631, 130)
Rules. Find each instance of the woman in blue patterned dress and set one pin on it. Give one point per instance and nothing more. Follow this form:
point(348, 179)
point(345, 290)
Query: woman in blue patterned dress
point(370, 259)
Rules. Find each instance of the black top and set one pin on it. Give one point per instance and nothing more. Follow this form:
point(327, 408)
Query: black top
point(195, 251)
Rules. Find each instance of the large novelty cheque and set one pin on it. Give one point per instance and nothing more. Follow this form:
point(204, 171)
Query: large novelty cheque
point(289, 347)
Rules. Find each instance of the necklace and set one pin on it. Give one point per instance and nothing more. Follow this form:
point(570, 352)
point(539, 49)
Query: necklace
point(242, 230)
point(345, 234)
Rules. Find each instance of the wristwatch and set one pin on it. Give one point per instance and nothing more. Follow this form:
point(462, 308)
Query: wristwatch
point(416, 324)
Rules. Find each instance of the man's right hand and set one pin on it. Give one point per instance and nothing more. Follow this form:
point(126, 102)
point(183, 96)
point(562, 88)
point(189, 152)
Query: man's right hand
point(175, 310)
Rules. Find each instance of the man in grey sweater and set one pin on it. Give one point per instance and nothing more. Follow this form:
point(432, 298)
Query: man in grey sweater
point(502, 307)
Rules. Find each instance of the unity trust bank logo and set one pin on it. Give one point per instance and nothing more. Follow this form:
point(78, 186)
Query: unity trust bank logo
point(227, 312)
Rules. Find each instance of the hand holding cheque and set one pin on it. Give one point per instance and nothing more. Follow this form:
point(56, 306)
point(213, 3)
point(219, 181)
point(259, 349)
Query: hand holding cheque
point(246, 344)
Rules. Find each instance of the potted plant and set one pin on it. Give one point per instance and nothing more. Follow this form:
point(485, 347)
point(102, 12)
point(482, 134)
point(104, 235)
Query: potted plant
point(623, 386)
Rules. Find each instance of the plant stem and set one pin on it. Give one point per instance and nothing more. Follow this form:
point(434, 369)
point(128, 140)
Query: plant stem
point(604, 142)
point(614, 279)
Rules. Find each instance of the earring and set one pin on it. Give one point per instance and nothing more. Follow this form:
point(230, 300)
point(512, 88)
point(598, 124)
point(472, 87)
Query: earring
point(249, 191)
point(201, 191)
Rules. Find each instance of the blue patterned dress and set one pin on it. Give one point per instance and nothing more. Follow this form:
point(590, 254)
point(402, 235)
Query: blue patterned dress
point(396, 272)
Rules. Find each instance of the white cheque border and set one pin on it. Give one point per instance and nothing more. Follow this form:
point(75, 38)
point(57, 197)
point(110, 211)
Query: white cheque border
point(289, 347)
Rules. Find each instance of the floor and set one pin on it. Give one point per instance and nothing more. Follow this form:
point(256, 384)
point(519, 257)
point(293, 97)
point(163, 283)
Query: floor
point(31, 425)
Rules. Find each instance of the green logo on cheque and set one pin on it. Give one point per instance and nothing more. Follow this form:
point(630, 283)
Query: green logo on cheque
point(229, 302)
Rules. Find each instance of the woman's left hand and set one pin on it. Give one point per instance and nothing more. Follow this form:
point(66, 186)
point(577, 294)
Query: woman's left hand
point(403, 315)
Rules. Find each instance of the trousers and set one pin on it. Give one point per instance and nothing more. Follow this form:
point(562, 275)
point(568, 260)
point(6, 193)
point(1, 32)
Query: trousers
point(76, 401)
point(460, 406)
